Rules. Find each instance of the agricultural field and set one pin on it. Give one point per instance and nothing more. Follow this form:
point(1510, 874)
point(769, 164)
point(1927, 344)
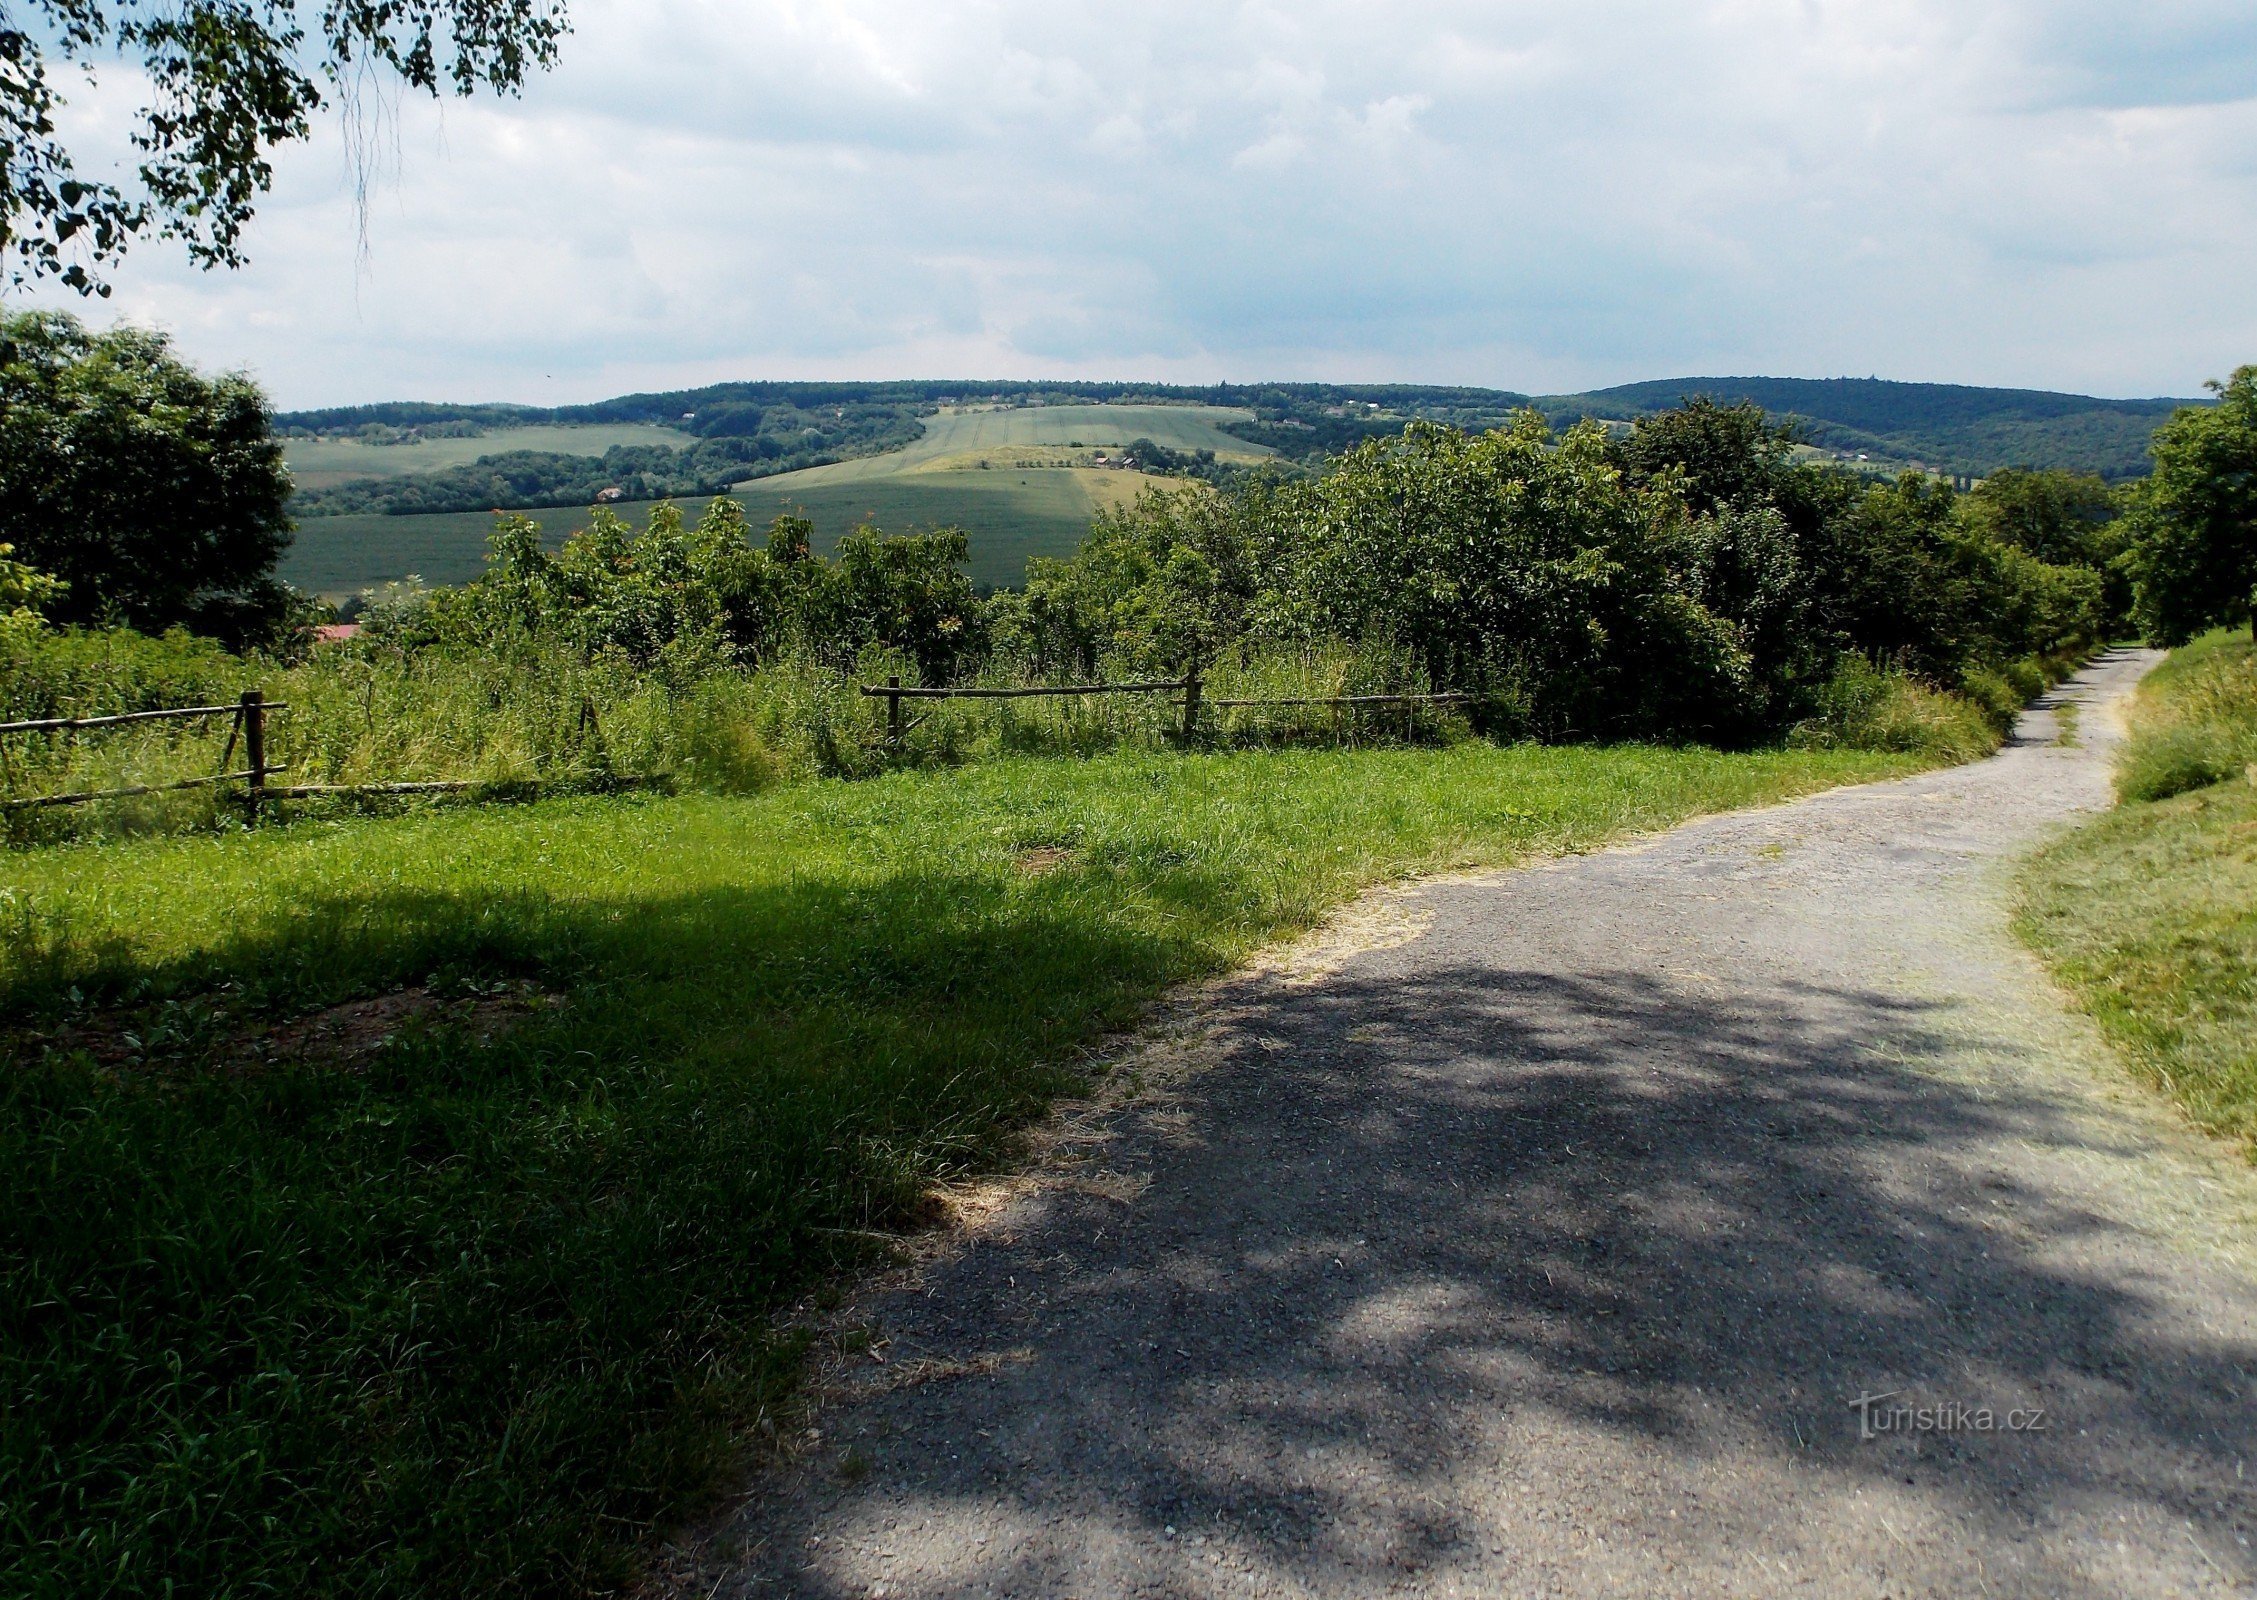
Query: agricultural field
point(340, 556)
point(325, 463)
point(1020, 480)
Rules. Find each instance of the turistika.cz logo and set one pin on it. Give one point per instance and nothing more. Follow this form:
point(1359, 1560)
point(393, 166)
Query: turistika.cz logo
point(1875, 1417)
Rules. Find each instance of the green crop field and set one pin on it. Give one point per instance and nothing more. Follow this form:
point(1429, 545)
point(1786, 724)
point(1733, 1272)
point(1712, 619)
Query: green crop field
point(1010, 516)
point(975, 470)
point(340, 556)
point(325, 463)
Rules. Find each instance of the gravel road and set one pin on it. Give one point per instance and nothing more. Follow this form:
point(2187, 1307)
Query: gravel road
point(1537, 1235)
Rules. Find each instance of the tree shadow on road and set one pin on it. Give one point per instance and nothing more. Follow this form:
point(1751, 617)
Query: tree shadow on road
point(1404, 1221)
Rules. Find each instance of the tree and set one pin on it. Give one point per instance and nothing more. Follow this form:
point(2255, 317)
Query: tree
point(154, 493)
point(2065, 519)
point(2193, 523)
point(228, 80)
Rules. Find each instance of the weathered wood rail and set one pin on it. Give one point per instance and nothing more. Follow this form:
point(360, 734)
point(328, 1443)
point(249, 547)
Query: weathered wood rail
point(1190, 686)
point(250, 712)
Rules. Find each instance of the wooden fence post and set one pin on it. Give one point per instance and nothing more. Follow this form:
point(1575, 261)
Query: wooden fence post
point(254, 749)
point(893, 711)
point(1191, 701)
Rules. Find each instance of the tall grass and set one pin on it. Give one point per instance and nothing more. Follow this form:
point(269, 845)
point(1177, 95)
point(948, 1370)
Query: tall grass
point(464, 1319)
point(2196, 720)
point(534, 711)
point(2150, 914)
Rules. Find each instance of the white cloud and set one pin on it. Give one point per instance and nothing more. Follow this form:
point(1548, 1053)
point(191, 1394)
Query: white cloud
point(1528, 195)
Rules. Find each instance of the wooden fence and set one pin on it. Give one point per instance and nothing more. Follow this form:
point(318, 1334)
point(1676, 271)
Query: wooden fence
point(250, 713)
point(1190, 686)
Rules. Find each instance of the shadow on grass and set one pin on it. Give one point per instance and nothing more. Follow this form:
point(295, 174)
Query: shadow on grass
point(1426, 1231)
point(467, 1320)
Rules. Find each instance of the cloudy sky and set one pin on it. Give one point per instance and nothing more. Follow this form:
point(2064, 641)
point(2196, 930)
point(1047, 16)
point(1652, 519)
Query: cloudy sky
point(1537, 196)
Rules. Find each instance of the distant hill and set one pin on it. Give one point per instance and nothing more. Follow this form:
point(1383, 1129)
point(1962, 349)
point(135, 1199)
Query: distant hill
point(1948, 428)
point(386, 490)
point(1945, 427)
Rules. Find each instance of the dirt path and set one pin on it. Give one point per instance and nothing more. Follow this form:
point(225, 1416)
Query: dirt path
point(1545, 1247)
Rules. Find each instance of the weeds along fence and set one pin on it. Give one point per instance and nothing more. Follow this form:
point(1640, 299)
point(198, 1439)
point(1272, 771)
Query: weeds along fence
point(165, 752)
point(1190, 687)
point(247, 725)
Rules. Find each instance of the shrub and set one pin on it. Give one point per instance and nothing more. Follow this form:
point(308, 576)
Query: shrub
point(1865, 707)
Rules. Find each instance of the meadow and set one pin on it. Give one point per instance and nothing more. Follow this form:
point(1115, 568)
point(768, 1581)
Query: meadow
point(2150, 914)
point(467, 1299)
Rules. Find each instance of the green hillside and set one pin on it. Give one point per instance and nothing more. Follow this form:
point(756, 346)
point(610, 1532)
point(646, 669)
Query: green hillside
point(1020, 481)
point(1945, 427)
point(1015, 464)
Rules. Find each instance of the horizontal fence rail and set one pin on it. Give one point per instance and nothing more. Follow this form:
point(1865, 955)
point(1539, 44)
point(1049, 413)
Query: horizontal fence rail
point(68, 724)
point(250, 714)
point(894, 692)
point(1454, 698)
point(129, 792)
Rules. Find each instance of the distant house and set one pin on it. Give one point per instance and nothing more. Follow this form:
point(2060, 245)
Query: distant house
point(336, 632)
point(605, 496)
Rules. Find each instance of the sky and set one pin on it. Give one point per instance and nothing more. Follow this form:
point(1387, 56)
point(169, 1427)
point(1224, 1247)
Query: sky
point(1542, 197)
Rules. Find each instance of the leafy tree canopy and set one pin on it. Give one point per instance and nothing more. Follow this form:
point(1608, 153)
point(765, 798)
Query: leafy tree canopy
point(153, 492)
point(228, 81)
point(2193, 523)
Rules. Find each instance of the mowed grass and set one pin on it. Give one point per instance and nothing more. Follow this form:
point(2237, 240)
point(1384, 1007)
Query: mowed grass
point(471, 1319)
point(2150, 913)
point(325, 463)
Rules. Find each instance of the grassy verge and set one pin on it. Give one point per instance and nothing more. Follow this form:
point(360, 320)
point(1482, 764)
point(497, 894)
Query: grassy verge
point(2150, 913)
point(464, 1318)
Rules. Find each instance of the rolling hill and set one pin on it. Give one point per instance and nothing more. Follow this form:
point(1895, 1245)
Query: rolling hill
point(1947, 428)
point(1022, 481)
point(1014, 464)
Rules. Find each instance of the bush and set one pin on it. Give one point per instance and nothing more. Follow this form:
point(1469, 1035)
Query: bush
point(1864, 707)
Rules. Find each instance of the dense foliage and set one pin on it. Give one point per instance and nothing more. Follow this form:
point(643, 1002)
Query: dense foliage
point(153, 493)
point(2193, 524)
point(1691, 580)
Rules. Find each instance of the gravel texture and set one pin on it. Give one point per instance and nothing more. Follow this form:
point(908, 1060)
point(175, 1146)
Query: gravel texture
point(1535, 1234)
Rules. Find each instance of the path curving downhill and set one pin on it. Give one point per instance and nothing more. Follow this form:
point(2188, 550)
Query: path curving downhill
point(1543, 1248)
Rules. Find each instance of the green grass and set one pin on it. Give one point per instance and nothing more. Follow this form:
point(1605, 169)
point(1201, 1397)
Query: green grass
point(471, 1320)
point(325, 463)
point(2150, 913)
point(2195, 722)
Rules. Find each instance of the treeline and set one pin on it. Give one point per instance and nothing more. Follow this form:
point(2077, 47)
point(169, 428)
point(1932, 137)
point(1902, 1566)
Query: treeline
point(1690, 580)
point(731, 445)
